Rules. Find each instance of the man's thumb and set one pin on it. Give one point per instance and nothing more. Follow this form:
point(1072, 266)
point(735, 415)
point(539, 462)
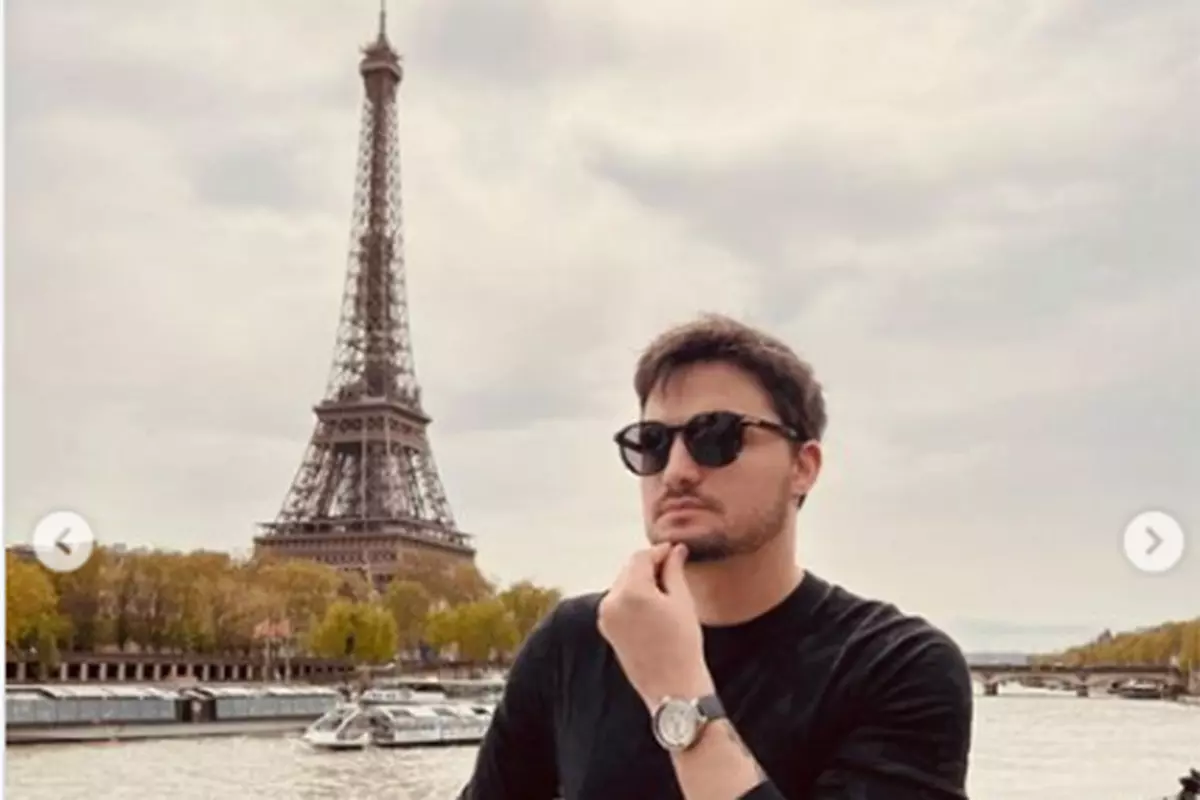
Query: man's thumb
point(672, 573)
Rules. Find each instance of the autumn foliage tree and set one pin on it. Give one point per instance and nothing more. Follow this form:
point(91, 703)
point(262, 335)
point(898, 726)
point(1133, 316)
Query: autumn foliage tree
point(211, 603)
point(1171, 642)
point(305, 590)
point(81, 601)
point(447, 581)
point(32, 618)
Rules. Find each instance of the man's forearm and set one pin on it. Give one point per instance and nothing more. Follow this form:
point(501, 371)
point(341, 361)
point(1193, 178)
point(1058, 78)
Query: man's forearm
point(721, 767)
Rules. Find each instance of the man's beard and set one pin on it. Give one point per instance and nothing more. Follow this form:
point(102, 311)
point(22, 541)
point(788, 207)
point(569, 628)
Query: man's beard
point(717, 545)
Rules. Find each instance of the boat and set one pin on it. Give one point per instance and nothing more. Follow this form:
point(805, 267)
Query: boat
point(401, 726)
point(402, 696)
point(345, 727)
point(36, 714)
point(488, 689)
point(356, 726)
point(1141, 690)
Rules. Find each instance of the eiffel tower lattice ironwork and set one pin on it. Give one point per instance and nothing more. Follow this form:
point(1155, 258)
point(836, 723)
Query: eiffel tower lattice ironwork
point(368, 487)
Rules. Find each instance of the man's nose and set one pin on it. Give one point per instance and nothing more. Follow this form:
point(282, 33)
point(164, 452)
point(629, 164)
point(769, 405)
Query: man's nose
point(681, 468)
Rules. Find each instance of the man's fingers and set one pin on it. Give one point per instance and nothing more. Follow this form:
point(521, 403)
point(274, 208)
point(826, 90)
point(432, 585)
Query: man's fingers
point(673, 580)
point(642, 568)
point(660, 552)
point(637, 581)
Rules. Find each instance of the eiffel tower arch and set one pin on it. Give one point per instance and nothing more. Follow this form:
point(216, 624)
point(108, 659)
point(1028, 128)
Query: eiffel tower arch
point(368, 491)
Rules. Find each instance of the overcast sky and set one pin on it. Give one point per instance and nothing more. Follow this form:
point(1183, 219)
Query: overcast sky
point(977, 220)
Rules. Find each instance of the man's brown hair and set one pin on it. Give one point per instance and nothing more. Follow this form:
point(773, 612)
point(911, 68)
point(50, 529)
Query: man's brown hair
point(795, 393)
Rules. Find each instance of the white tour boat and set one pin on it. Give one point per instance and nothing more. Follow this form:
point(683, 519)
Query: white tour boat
point(346, 727)
point(406, 724)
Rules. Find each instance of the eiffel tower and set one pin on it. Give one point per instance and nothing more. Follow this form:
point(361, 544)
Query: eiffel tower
point(368, 490)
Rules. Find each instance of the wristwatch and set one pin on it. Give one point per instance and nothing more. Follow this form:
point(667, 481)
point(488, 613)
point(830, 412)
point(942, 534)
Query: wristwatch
point(677, 723)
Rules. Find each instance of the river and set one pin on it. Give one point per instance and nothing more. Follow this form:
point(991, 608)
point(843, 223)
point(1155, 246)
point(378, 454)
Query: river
point(1028, 746)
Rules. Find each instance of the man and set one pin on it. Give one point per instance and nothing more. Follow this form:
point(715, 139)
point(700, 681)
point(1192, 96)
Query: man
point(715, 668)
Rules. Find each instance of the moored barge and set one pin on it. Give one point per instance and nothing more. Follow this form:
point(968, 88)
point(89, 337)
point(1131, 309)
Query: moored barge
point(40, 714)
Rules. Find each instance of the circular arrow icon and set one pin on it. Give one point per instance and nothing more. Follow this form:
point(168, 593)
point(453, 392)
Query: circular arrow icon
point(1154, 542)
point(63, 541)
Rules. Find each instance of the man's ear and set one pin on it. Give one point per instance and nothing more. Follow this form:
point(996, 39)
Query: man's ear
point(806, 468)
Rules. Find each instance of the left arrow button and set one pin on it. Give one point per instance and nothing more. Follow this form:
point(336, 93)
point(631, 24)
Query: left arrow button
point(63, 541)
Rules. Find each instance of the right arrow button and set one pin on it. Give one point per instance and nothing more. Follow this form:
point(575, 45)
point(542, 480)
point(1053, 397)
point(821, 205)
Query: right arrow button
point(1154, 542)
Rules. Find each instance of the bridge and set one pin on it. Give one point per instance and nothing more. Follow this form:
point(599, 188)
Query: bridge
point(1081, 678)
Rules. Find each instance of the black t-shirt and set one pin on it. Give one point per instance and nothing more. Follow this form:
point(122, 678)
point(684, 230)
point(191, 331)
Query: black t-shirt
point(837, 696)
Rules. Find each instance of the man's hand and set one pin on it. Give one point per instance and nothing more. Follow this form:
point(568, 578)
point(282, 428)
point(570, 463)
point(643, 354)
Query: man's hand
point(650, 621)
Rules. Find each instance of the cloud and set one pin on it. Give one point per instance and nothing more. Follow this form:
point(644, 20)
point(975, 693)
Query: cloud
point(975, 221)
point(996, 636)
point(515, 44)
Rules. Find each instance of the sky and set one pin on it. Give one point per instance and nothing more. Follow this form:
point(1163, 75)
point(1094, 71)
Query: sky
point(976, 220)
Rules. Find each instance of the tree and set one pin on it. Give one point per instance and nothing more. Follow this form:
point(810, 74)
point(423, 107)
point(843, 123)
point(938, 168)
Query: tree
point(122, 583)
point(376, 635)
point(409, 604)
point(150, 592)
point(354, 586)
point(1189, 650)
point(467, 585)
point(448, 579)
point(31, 616)
point(363, 632)
point(208, 602)
point(190, 623)
point(478, 631)
point(528, 604)
point(83, 597)
point(1157, 645)
point(305, 590)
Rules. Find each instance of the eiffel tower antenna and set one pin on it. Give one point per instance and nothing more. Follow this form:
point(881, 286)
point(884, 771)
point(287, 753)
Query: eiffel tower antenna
point(368, 482)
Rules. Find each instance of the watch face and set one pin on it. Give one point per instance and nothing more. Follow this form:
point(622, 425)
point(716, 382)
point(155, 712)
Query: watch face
point(676, 723)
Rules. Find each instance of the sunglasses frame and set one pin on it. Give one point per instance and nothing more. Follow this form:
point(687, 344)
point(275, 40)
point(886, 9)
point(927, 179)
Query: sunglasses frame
point(741, 421)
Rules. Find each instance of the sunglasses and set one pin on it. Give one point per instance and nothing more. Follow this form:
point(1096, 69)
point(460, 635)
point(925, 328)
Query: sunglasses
point(713, 439)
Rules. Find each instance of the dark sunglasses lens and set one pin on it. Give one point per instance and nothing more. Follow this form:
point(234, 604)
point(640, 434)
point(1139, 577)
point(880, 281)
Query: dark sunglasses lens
point(645, 447)
point(714, 440)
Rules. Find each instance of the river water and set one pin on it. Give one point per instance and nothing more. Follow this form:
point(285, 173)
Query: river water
point(1028, 746)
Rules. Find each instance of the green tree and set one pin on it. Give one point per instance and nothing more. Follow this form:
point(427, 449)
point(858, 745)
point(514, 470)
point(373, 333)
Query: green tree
point(376, 637)
point(409, 603)
point(528, 604)
point(31, 617)
point(363, 632)
point(478, 631)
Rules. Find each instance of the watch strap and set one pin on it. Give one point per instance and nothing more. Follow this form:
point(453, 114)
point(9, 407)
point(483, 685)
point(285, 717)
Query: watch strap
point(710, 707)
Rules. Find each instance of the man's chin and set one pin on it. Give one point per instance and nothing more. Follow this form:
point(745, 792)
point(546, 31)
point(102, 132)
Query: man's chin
point(703, 547)
point(706, 552)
